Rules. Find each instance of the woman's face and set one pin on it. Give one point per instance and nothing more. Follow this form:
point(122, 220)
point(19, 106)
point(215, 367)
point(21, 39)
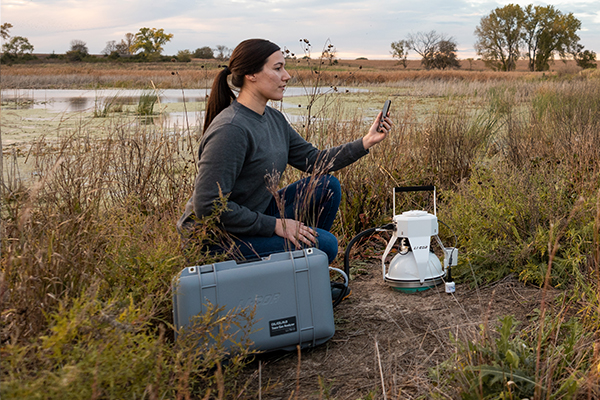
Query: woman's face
point(271, 81)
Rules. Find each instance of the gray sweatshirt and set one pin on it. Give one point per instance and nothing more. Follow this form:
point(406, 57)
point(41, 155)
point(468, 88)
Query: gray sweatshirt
point(236, 153)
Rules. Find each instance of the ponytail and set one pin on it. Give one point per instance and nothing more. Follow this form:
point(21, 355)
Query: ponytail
point(220, 97)
point(249, 57)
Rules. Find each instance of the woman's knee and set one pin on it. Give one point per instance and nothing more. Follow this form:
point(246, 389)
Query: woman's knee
point(327, 242)
point(333, 186)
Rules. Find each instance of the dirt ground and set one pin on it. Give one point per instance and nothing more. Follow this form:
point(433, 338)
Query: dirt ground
point(404, 333)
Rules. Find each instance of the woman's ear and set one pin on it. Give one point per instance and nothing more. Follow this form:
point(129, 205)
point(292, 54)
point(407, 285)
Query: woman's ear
point(251, 78)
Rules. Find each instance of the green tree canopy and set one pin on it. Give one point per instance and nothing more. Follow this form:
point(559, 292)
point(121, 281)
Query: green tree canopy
point(586, 59)
point(540, 31)
point(150, 41)
point(548, 31)
point(400, 50)
point(204, 53)
point(17, 47)
point(499, 36)
point(4, 28)
point(184, 56)
point(444, 56)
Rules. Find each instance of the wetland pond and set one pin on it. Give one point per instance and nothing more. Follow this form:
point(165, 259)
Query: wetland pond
point(28, 115)
point(179, 107)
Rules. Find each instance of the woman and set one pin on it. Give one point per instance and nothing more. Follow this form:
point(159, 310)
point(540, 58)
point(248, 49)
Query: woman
point(244, 150)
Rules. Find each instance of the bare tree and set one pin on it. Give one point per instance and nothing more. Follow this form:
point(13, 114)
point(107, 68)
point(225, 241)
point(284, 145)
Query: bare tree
point(80, 46)
point(436, 50)
point(78, 50)
point(121, 48)
point(423, 43)
point(127, 43)
point(223, 52)
point(111, 47)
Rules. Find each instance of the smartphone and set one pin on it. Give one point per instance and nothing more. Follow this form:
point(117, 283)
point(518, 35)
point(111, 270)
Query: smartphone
point(386, 109)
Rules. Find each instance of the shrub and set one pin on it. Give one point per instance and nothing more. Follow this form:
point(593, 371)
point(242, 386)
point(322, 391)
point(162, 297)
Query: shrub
point(504, 364)
point(204, 53)
point(111, 349)
point(184, 56)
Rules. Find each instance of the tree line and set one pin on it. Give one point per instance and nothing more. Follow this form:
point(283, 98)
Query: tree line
point(507, 34)
point(145, 45)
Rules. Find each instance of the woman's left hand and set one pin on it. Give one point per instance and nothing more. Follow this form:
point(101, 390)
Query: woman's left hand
point(378, 131)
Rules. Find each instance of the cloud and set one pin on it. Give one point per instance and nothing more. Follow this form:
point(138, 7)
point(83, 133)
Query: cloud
point(356, 28)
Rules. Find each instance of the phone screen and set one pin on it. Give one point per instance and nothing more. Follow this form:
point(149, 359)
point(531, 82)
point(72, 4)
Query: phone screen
point(386, 109)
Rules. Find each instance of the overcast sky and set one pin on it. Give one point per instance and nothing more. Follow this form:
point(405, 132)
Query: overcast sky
point(362, 28)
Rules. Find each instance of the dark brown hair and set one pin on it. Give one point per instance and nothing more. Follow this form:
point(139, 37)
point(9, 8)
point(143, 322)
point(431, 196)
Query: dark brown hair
point(249, 57)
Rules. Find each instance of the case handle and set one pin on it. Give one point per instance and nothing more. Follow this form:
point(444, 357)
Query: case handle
point(416, 189)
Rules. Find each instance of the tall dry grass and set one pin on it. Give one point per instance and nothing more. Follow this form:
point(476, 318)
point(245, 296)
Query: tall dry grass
point(89, 250)
point(518, 174)
point(89, 245)
point(63, 76)
point(200, 74)
point(59, 229)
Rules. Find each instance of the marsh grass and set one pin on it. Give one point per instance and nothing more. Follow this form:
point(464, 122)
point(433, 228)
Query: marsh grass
point(89, 253)
point(146, 103)
point(64, 223)
point(556, 356)
point(103, 107)
point(198, 75)
point(96, 76)
point(89, 246)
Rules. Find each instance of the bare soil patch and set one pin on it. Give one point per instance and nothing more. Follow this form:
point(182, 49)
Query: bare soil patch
point(411, 332)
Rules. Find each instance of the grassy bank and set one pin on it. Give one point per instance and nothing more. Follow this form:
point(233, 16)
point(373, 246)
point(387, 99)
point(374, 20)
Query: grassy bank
point(89, 247)
point(200, 74)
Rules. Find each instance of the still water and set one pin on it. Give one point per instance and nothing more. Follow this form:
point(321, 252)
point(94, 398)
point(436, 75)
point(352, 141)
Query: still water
point(67, 100)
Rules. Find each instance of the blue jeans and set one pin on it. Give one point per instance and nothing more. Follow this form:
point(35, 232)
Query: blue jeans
point(312, 200)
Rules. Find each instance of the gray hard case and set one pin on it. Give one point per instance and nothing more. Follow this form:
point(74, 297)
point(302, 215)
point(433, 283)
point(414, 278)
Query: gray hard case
point(291, 291)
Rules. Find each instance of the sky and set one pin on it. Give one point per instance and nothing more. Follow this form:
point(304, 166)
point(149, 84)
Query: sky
point(363, 28)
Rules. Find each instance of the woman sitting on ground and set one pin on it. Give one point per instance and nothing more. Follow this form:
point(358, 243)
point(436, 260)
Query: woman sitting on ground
point(246, 147)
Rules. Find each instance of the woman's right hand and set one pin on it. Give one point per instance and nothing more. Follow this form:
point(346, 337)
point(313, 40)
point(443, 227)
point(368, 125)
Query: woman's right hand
point(296, 232)
point(379, 130)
